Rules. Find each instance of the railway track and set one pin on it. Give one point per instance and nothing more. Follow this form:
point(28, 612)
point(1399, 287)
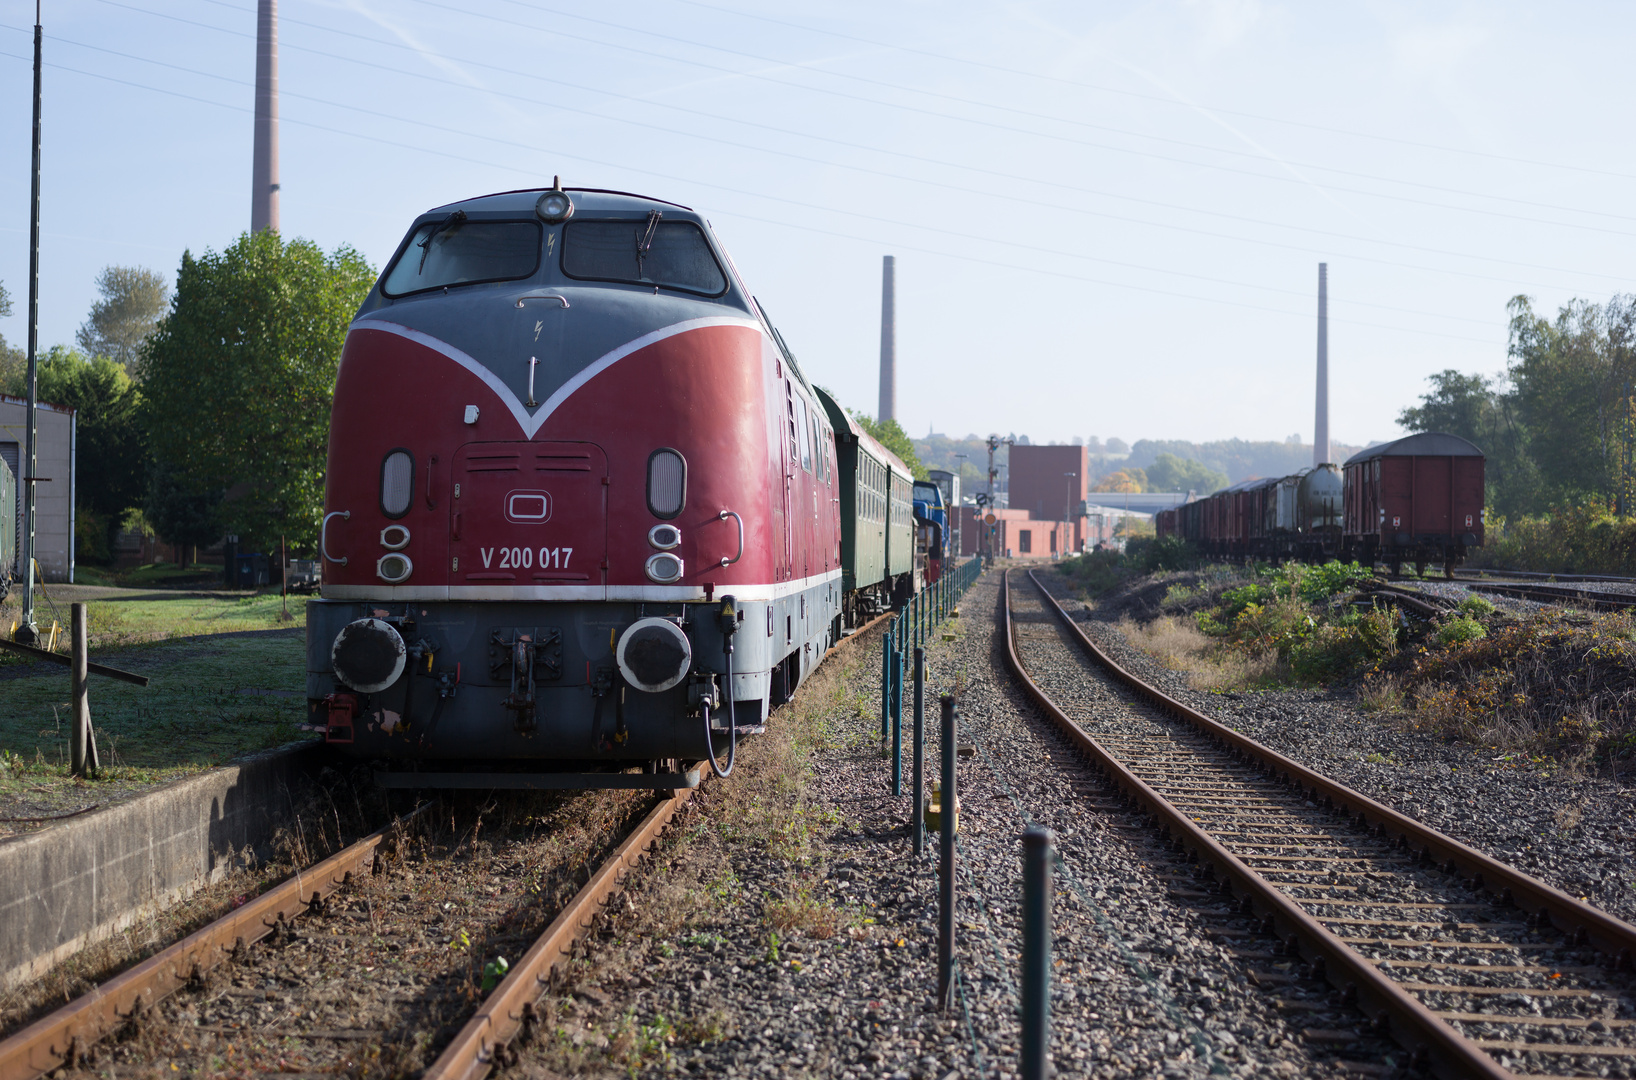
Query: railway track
point(68, 1036)
point(1475, 968)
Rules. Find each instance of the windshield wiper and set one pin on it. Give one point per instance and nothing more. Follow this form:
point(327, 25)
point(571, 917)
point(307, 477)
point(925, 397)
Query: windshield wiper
point(425, 245)
point(644, 242)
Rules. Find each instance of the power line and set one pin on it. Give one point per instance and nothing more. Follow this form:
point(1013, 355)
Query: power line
point(1160, 98)
point(516, 144)
point(874, 241)
point(1007, 128)
point(762, 149)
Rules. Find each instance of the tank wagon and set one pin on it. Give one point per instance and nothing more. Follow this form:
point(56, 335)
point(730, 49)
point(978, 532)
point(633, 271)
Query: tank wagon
point(1418, 499)
point(583, 510)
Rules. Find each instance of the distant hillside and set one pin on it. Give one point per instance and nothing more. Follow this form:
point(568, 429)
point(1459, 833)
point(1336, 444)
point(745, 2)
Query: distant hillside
point(1239, 459)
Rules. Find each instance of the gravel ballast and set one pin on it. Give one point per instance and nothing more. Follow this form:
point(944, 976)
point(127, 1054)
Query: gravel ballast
point(690, 978)
point(1572, 828)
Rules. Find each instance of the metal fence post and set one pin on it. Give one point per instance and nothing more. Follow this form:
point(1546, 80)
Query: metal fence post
point(918, 781)
point(897, 729)
point(947, 823)
point(885, 686)
point(1038, 845)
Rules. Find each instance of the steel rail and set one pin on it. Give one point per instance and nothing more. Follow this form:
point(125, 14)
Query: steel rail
point(1396, 1012)
point(63, 1037)
point(485, 1041)
point(1555, 594)
point(1586, 925)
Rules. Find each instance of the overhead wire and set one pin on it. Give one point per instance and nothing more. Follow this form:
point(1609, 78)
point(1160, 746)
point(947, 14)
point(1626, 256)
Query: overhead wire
point(783, 223)
point(1007, 128)
point(764, 149)
point(1162, 99)
point(963, 234)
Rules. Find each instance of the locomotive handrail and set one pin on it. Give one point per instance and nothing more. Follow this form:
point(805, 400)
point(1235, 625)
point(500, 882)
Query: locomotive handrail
point(323, 535)
point(542, 296)
point(723, 516)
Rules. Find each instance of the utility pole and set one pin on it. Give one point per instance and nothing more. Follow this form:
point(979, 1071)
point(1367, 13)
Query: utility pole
point(27, 632)
point(888, 340)
point(994, 443)
point(1068, 509)
point(1320, 426)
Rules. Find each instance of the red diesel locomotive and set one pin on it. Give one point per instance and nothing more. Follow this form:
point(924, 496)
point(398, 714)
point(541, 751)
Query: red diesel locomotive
point(579, 495)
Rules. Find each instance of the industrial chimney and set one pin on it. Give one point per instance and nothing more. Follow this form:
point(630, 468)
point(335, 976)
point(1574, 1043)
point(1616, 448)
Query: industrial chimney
point(888, 341)
point(264, 164)
point(1320, 422)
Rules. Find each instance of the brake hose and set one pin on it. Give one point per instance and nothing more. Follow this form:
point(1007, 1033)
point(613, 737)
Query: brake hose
point(728, 621)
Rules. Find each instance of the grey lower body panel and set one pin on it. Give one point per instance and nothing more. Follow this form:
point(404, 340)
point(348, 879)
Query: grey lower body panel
point(459, 697)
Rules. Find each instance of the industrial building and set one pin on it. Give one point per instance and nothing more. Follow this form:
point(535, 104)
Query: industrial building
point(54, 494)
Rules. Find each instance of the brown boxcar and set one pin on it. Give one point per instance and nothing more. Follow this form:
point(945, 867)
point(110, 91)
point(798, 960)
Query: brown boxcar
point(1417, 500)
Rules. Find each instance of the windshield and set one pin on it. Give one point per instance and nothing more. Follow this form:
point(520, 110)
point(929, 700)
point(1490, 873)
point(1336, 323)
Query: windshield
point(673, 254)
point(455, 251)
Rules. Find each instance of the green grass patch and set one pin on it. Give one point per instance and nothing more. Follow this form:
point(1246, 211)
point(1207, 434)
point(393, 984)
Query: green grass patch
point(210, 699)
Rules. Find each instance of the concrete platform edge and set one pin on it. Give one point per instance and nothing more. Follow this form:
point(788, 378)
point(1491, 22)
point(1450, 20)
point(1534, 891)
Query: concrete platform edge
point(86, 879)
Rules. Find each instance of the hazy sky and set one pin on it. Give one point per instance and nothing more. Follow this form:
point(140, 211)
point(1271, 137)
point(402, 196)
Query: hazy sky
point(1107, 216)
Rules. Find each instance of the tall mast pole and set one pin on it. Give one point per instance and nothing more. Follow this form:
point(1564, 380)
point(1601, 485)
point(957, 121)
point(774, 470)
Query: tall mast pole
point(888, 341)
point(1320, 422)
point(264, 158)
point(26, 629)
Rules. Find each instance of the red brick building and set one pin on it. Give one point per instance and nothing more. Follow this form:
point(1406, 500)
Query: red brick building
point(1040, 484)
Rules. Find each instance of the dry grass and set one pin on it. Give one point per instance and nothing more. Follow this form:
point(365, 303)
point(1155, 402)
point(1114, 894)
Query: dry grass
point(1178, 644)
point(1555, 683)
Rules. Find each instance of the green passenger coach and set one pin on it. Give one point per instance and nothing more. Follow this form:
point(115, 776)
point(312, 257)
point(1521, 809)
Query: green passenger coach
point(877, 520)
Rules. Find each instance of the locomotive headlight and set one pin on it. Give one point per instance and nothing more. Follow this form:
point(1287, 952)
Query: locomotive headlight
point(665, 568)
point(394, 538)
point(368, 655)
point(665, 537)
point(394, 568)
point(654, 655)
point(555, 205)
point(667, 482)
point(397, 483)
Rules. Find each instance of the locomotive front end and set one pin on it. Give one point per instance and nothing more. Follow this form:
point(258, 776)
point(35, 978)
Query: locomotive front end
point(559, 505)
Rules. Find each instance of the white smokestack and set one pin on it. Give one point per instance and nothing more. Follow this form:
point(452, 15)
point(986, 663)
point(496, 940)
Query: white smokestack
point(1320, 423)
point(264, 163)
point(888, 341)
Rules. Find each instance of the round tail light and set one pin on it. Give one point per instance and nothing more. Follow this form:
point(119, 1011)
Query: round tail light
point(664, 568)
point(394, 568)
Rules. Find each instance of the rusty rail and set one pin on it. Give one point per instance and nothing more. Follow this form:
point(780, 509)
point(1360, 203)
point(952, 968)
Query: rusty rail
point(62, 1037)
point(485, 1041)
point(1430, 1040)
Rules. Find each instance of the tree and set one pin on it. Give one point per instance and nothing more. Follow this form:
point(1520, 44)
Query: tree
point(892, 436)
point(1171, 473)
point(1130, 479)
point(111, 470)
point(13, 364)
point(133, 298)
point(238, 380)
point(1572, 383)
